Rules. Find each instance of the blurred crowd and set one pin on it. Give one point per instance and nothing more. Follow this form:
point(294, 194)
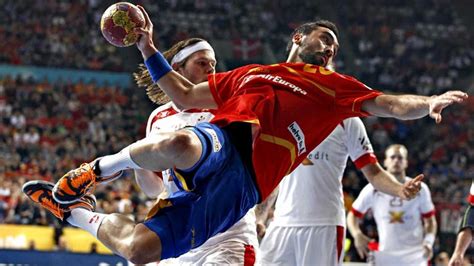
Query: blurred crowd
point(395, 45)
point(47, 129)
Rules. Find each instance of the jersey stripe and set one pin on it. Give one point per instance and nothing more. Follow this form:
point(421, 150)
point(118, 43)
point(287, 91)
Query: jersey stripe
point(357, 213)
point(368, 158)
point(249, 255)
point(428, 214)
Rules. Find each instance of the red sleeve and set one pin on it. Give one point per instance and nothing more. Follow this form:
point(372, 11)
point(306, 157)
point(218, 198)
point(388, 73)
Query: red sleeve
point(428, 214)
point(471, 199)
point(357, 213)
point(368, 158)
point(350, 94)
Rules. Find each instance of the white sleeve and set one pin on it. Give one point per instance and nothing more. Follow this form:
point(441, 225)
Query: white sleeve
point(426, 205)
point(152, 116)
point(358, 143)
point(363, 202)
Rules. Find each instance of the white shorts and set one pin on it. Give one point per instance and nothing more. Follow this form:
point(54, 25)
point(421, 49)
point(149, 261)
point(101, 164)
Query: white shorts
point(229, 252)
point(312, 245)
point(412, 257)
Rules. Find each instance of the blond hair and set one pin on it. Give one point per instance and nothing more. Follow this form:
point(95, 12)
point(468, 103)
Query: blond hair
point(143, 79)
point(399, 147)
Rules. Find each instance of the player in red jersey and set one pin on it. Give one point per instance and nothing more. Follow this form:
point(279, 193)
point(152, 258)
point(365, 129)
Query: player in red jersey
point(268, 119)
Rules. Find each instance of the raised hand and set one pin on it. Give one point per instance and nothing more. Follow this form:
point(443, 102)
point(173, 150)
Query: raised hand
point(411, 188)
point(145, 42)
point(439, 102)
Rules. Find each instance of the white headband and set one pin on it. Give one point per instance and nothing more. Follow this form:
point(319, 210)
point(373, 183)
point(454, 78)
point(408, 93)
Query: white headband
point(183, 54)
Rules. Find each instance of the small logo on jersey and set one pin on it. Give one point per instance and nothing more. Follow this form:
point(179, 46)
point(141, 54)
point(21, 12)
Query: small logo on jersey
point(298, 134)
point(396, 217)
point(193, 237)
point(307, 161)
point(396, 202)
point(274, 79)
point(94, 219)
point(365, 144)
point(163, 114)
point(216, 144)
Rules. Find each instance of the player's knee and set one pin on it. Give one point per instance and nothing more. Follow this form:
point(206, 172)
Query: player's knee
point(145, 246)
point(136, 254)
point(178, 143)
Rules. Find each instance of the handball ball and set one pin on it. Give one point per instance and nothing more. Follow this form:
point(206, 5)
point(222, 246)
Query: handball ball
point(118, 22)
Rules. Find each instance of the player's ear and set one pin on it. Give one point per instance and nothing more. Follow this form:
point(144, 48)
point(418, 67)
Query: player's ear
point(297, 38)
point(175, 66)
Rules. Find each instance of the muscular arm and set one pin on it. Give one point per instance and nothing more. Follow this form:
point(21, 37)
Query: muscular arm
point(382, 180)
point(262, 210)
point(464, 238)
point(182, 92)
point(185, 94)
point(462, 243)
point(407, 107)
point(430, 225)
point(387, 183)
point(150, 183)
point(360, 239)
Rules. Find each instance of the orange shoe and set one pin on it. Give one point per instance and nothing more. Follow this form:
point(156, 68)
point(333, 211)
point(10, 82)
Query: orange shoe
point(76, 183)
point(41, 193)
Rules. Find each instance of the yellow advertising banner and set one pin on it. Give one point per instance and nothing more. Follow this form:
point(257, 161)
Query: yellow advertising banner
point(42, 238)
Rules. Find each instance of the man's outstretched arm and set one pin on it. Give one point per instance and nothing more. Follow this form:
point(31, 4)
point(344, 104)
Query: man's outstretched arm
point(182, 92)
point(387, 183)
point(408, 107)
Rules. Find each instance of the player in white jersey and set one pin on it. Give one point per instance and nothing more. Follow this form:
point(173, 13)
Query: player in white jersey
point(309, 218)
point(194, 59)
point(406, 229)
point(464, 238)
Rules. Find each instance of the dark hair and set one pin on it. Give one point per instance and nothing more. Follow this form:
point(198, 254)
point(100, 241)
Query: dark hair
point(143, 79)
point(309, 27)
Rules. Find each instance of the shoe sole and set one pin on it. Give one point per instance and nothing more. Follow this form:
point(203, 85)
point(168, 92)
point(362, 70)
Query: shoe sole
point(34, 183)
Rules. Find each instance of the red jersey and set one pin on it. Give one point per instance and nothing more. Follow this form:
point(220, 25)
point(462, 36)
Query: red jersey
point(296, 106)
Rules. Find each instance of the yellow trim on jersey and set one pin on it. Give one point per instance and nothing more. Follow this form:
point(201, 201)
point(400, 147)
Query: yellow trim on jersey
point(325, 71)
point(281, 142)
point(181, 180)
point(253, 121)
point(319, 86)
point(255, 69)
point(159, 204)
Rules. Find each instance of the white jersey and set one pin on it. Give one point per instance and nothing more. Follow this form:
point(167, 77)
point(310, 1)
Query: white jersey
point(312, 194)
point(399, 222)
point(168, 118)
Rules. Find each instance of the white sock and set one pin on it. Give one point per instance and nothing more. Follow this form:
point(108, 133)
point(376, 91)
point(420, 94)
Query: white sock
point(111, 164)
point(87, 220)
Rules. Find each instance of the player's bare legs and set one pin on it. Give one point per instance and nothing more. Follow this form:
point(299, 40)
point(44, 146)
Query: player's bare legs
point(181, 149)
point(135, 242)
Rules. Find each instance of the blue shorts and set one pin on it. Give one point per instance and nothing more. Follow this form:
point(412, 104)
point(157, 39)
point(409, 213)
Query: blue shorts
point(218, 192)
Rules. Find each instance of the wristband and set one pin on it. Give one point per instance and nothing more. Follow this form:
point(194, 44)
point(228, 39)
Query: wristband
point(429, 239)
point(157, 66)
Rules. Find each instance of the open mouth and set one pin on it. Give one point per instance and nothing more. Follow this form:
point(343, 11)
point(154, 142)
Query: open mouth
point(324, 60)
